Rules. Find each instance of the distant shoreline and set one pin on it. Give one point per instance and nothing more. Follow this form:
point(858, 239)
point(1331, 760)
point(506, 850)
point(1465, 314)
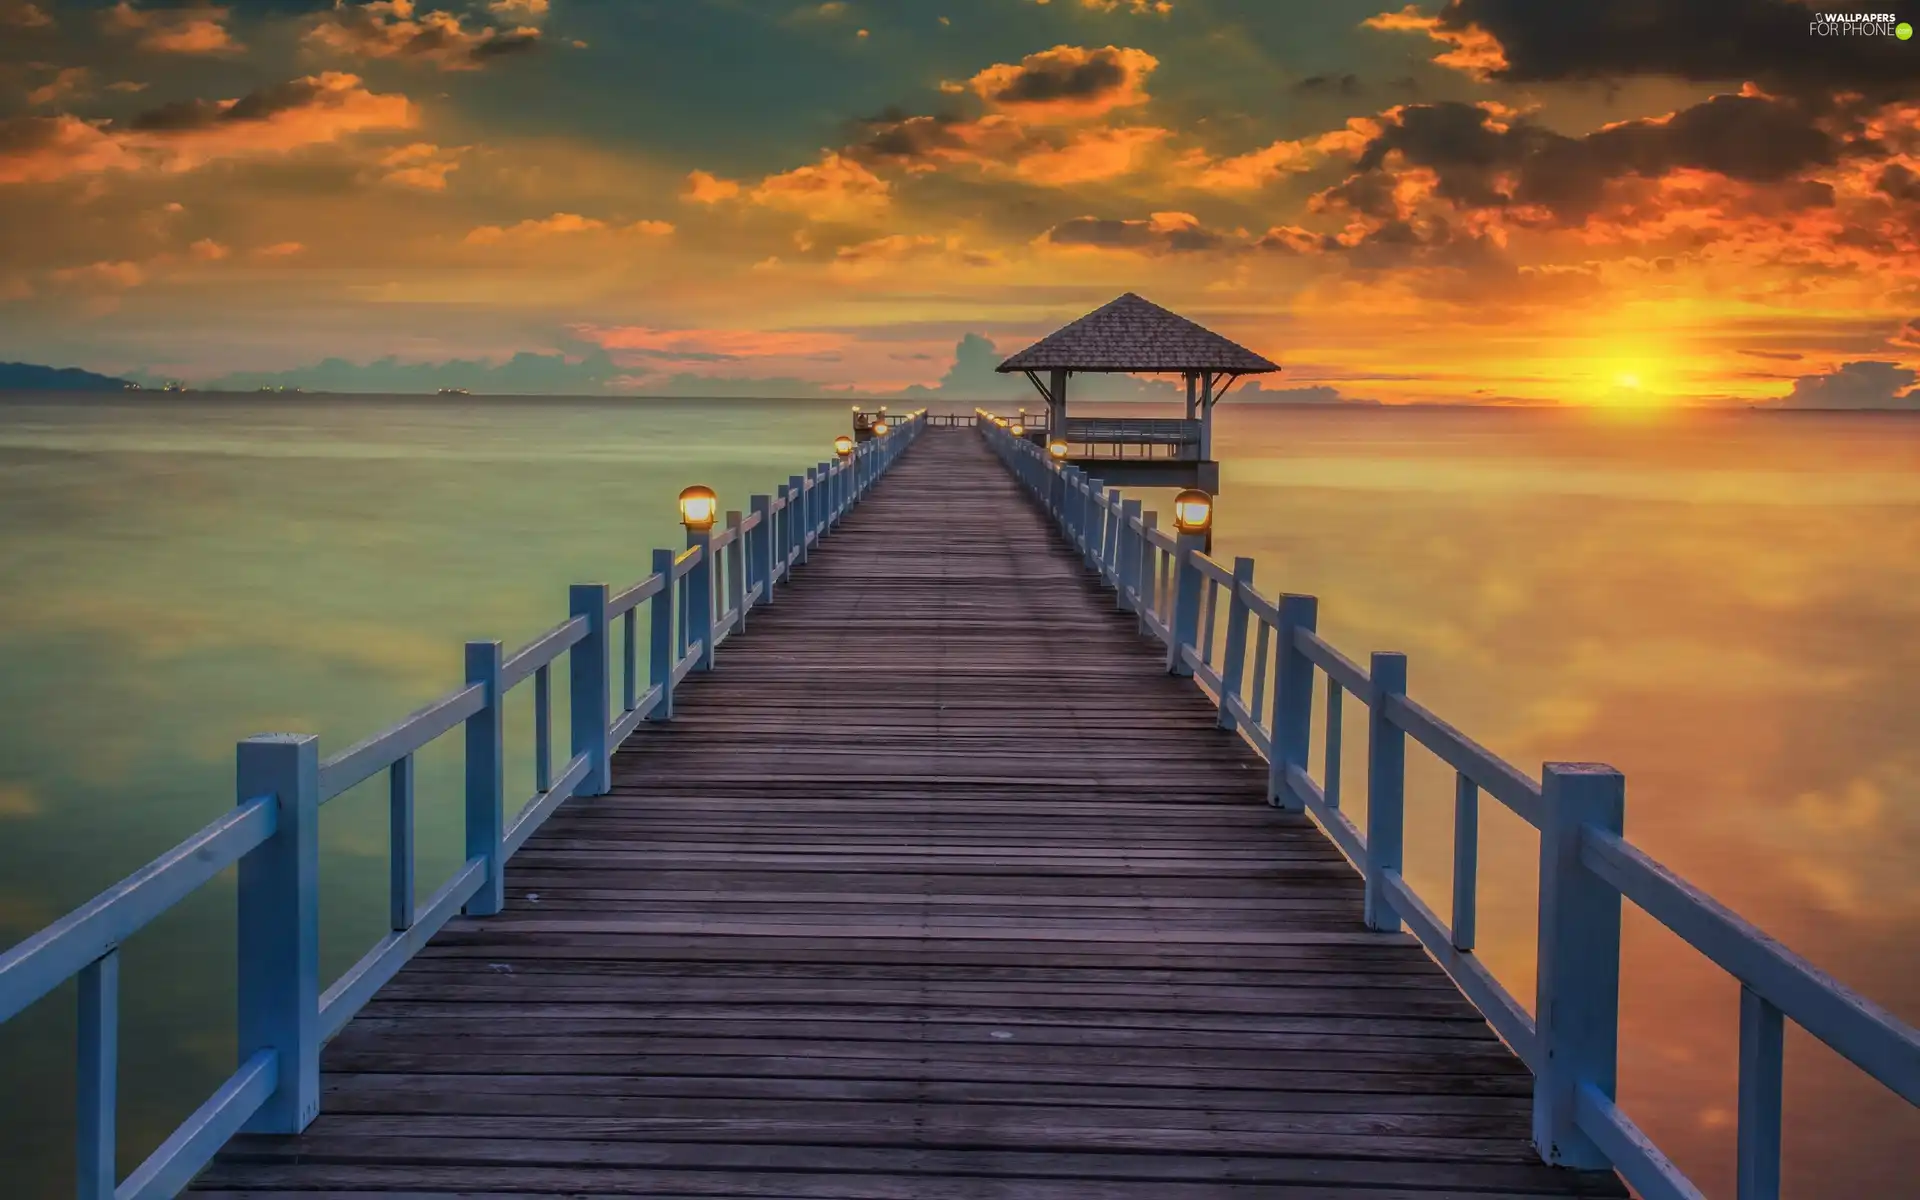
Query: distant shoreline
point(944, 408)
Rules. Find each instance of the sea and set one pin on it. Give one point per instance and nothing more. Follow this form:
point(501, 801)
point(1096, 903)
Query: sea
point(1725, 605)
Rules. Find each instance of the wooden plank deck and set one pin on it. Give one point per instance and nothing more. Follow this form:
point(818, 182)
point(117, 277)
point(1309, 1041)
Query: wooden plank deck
point(937, 888)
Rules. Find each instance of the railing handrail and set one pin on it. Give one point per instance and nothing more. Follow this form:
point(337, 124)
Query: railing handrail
point(272, 832)
point(1587, 865)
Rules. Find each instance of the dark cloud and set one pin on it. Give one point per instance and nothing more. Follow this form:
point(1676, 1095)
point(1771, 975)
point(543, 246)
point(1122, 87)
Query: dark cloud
point(1899, 183)
point(501, 45)
point(1157, 235)
point(1042, 79)
point(898, 137)
point(1865, 384)
point(1368, 192)
point(1766, 41)
point(1481, 161)
point(1329, 85)
point(254, 106)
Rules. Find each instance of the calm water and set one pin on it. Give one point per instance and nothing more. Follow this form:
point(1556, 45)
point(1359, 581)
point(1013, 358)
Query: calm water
point(1722, 605)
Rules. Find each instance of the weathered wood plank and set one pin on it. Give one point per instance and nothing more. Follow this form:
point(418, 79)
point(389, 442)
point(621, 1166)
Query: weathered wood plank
point(938, 887)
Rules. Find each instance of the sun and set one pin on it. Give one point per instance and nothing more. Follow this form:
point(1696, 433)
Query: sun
point(1627, 379)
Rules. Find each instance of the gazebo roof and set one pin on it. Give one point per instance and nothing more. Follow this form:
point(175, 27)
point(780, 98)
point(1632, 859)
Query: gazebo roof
point(1131, 334)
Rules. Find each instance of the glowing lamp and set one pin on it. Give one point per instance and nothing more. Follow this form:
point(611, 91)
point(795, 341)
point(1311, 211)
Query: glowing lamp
point(1193, 511)
point(880, 427)
point(1057, 448)
point(1019, 430)
point(843, 445)
point(698, 506)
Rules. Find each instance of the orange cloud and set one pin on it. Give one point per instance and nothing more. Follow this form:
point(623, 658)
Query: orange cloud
point(559, 223)
point(197, 29)
point(421, 165)
point(1470, 49)
point(391, 29)
point(280, 250)
point(181, 136)
point(21, 15)
point(1090, 155)
point(714, 345)
point(706, 188)
point(1138, 7)
point(66, 82)
point(881, 253)
point(835, 188)
point(309, 111)
point(44, 149)
point(1245, 172)
point(208, 250)
point(1067, 83)
point(103, 276)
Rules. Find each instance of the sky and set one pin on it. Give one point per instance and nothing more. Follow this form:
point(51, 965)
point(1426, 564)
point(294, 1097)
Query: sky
point(1482, 201)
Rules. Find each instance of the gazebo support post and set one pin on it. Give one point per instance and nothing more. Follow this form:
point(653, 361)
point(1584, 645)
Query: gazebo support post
point(1206, 415)
point(1057, 405)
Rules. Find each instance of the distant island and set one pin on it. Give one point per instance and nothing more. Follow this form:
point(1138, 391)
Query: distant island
point(31, 377)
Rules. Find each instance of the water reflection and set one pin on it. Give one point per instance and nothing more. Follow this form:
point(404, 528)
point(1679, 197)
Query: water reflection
point(1721, 605)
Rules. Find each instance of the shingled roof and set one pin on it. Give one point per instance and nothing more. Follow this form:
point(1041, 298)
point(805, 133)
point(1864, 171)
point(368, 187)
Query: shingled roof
point(1131, 334)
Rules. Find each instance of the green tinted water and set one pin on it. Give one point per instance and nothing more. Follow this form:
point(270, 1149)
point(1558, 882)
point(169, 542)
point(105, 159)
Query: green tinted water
point(1722, 605)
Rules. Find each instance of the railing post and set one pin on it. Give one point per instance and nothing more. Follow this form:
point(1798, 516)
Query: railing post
point(661, 651)
point(1577, 996)
point(736, 572)
point(1386, 787)
point(99, 1077)
point(1076, 508)
point(1233, 666)
point(279, 929)
point(587, 686)
point(1127, 569)
point(1146, 590)
point(797, 514)
point(1758, 1151)
point(759, 558)
point(1292, 699)
point(1185, 625)
point(486, 769)
point(700, 598)
point(1096, 522)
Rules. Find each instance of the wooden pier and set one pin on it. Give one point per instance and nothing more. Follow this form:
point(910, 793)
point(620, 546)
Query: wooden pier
point(940, 886)
point(981, 861)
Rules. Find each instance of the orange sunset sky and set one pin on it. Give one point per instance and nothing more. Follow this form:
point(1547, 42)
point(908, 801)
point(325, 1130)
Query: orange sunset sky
point(1682, 202)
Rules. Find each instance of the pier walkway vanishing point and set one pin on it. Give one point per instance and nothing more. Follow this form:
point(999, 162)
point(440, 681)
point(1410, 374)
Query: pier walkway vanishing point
point(947, 882)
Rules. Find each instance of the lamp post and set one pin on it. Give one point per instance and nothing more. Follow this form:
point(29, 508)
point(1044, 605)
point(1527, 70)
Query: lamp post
point(1193, 519)
point(843, 445)
point(698, 507)
point(1057, 449)
point(880, 427)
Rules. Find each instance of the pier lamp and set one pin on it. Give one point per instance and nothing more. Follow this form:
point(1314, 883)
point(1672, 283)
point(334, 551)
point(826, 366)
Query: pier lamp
point(1018, 430)
point(1193, 511)
point(698, 506)
point(880, 427)
point(843, 445)
point(1057, 448)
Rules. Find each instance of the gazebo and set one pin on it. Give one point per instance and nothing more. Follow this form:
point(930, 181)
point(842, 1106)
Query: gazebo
point(1134, 336)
